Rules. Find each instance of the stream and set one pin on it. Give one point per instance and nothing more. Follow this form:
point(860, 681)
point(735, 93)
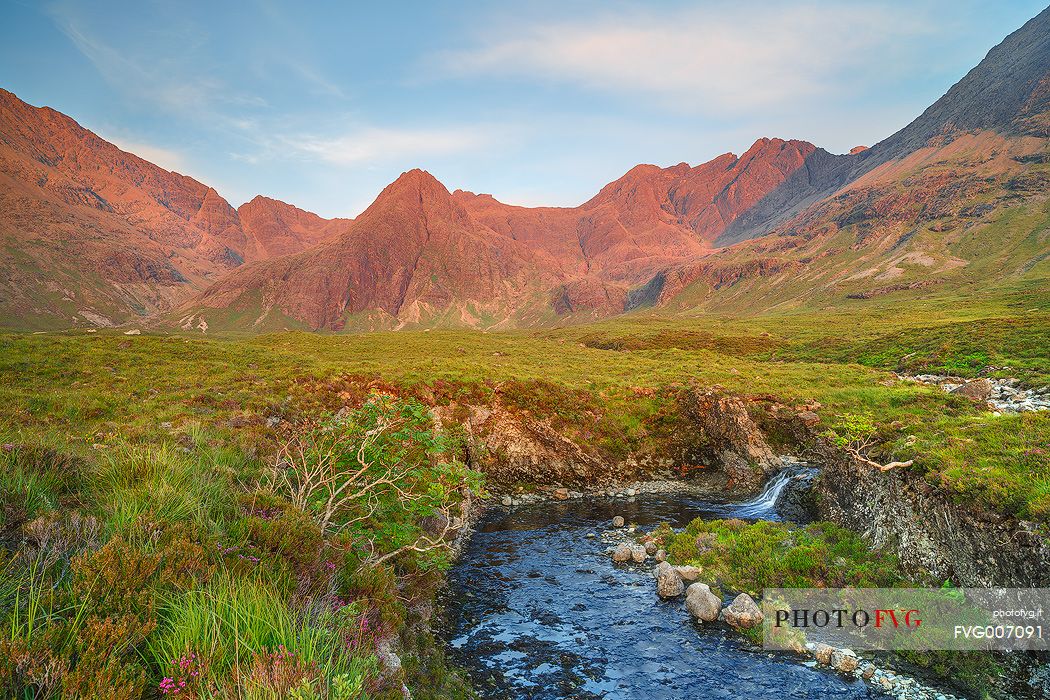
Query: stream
point(538, 610)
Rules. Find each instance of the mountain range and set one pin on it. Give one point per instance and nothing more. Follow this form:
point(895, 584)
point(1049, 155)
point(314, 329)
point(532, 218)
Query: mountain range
point(91, 235)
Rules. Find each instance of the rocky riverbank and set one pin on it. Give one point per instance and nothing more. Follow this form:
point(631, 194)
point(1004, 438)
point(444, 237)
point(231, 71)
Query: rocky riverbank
point(1001, 395)
point(934, 536)
point(541, 494)
point(707, 606)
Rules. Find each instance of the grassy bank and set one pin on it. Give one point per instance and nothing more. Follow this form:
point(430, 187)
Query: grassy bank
point(201, 570)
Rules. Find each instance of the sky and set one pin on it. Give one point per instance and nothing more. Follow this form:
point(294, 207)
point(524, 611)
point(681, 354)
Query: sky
point(322, 104)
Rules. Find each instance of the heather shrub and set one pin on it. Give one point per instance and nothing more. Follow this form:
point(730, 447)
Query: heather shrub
point(52, 540)
point(748, 557)
point(107, 665)
point(286, 534)
point(117, 579)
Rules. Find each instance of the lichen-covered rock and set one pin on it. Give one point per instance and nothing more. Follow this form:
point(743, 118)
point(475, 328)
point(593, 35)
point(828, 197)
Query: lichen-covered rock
point(622, 553)
point(702, 603)
point(976, 389)
point(688, 573)
point(844, 661)
point(661, 555)
point(668, 584)
point(638, 553)
point(822, 653)
point(743, 613)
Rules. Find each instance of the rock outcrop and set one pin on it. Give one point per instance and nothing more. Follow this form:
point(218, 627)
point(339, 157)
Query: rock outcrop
point(930, 532)
point(732, 440)
point(512, 447)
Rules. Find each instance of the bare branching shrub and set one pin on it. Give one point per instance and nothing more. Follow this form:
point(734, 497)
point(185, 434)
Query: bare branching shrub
point(55, 538)
point(857, 434)
point(376, 473)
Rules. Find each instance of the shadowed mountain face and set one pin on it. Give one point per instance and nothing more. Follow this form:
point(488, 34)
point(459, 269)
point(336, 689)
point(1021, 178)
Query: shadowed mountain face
point(1008, 92)
point(720, 234)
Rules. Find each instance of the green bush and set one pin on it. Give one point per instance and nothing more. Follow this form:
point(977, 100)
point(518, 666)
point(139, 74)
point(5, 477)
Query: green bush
point(748, 557)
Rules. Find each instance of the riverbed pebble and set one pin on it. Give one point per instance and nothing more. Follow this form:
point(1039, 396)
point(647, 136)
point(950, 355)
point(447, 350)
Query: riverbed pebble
point(844, 661)
point(822, 653)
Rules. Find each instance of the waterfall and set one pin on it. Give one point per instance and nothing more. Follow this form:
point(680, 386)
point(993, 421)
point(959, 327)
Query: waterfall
point(764, 504)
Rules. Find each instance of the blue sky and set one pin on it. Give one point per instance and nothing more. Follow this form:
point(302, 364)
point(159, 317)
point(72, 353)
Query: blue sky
point(323, 104)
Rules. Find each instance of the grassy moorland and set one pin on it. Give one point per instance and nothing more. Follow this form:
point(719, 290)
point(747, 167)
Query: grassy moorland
point(156, 498)
point(609, 382)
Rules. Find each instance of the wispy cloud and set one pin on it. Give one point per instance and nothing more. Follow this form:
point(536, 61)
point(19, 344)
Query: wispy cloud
point(721, 59)
point(166, 158)
point(153, 78)
point(374, 144)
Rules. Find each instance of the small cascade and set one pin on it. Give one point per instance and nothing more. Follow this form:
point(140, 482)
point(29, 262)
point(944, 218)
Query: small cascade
point(764, 505)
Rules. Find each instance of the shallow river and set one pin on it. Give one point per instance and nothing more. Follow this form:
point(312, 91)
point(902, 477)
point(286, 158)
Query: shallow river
point(538, 610)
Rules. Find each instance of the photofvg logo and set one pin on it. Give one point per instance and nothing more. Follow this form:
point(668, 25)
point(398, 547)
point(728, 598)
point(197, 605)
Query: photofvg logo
point(908, 618)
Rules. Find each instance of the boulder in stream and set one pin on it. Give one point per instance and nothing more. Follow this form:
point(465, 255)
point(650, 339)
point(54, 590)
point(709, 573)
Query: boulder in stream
point(976, 389)
point(668, 584)
point(844, 661)
point(822, 653)
point(618, 521)
point(622, 553)
point(743, 613)
point(661, 555)
point(638, 553)
point(702, 603)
